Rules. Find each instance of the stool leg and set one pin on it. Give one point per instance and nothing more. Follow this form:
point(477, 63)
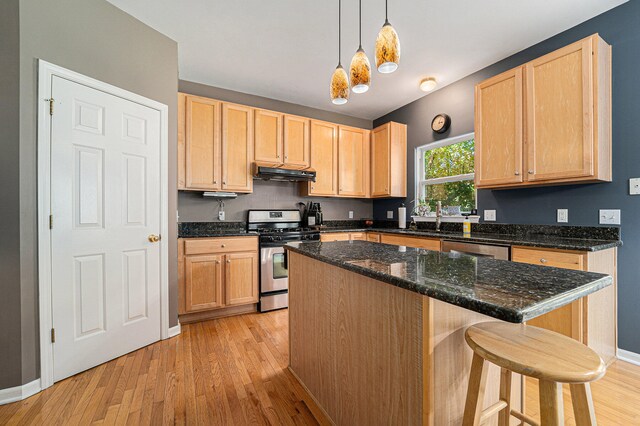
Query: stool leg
point(475, 392)
point(505, 395)
point(551, 406)
point(583, 404)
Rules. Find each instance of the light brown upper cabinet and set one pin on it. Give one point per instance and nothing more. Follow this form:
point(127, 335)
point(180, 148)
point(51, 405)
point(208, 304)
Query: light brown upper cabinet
point(499, 120)
point(353, 161)
point(199, 143)
point(389, 160)
point(562, 131)
point(324, 158)
point(296, 141)
point(268, 134)
point(237, 147)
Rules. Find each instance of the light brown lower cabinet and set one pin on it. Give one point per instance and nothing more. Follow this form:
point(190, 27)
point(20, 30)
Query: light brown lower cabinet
point(591, 320)
point(334, 236)
point(415, 242)
point(217, 273)
point(373, 237)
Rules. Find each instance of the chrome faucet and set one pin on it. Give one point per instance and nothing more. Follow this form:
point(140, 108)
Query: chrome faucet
point(438, 215)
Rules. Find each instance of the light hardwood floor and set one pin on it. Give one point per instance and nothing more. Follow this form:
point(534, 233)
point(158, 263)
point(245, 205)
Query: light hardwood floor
point(234, 371)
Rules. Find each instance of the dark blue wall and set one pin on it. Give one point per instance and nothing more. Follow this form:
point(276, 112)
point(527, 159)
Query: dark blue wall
point(620, 27)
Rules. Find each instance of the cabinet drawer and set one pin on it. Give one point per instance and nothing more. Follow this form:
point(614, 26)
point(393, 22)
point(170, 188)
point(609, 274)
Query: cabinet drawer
point(220, 245)
point(360, 236)
point(337, 236)
point(416, 242)
point(373, 237)
point(556, 259)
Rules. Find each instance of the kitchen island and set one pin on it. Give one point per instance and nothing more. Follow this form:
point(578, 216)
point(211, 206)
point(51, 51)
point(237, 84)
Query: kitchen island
point(377, 331)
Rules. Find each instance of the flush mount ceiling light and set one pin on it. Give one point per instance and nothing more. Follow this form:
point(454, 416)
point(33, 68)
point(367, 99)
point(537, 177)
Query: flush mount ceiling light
point(339, 80)
point(428, 84)
point(360, 70)
point(387, 46)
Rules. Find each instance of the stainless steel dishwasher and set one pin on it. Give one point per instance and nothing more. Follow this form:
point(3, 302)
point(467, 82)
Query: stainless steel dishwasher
point(477, 249)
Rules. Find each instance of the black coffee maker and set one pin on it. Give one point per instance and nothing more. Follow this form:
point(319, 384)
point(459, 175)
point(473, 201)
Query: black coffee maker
point(312, 215)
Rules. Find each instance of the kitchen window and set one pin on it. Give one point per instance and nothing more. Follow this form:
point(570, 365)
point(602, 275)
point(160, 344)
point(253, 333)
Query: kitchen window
point(445, 172)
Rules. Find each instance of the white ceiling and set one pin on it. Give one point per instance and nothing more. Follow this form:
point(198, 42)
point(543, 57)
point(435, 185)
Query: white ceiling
point(287, 49)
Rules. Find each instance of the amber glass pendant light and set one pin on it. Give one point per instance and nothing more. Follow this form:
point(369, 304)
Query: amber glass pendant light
point(339, 80)
point(387, 46)
point(360, 70)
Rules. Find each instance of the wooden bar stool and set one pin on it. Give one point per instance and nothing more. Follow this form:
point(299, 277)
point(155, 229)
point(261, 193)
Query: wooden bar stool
point(550, 357)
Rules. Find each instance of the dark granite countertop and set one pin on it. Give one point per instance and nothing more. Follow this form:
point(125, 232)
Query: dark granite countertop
point(514, 292)
point(213, 229)
point(536, 240)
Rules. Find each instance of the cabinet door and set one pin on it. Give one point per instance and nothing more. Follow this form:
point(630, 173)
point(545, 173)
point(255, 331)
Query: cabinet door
point(337, 236)
point(296, 141)
point(237, 147)
point(560, 113)
point(241, 278)
point(203, 282)
point(566, 320)
point(324, 158)
point(267, 146)
point(499, 131)
point(352, 162)
point(380, 164)
point(202, 143)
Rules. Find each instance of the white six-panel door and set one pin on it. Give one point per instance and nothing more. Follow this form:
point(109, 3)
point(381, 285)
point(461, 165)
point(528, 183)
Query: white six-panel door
point(105, 203)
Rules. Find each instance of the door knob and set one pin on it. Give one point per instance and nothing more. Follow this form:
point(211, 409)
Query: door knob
point(154, 238)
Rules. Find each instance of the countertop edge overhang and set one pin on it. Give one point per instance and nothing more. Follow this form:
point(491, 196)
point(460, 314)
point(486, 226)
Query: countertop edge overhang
point(494, 310)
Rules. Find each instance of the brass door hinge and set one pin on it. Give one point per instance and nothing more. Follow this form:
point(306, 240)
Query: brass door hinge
point(53, 335)
point(50, 100)
point(50, 221)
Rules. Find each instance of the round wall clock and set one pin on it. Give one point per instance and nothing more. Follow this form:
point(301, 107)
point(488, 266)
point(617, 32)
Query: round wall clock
point(441, 123)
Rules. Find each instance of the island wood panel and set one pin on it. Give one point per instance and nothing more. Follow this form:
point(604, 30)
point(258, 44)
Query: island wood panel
point(499, 130)
point(237, 148)
point(202, 143)
point(296, 141)
point(241, 278)
point(267, 146)
point(356, 344)
point(416, 242)
point(448, 364)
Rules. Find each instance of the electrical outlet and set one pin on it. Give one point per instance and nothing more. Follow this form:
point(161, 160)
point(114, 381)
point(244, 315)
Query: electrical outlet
point(389, 214)
point(221, 215)
point(490, 215)
point(350, 214)
point(609, 217)
point(634, 186)
point(563, 216)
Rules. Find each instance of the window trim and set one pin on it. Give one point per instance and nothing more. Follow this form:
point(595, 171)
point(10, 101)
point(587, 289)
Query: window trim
point(421, 182)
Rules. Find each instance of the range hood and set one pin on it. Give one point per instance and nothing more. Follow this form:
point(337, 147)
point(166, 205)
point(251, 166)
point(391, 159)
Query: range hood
point(283, 173)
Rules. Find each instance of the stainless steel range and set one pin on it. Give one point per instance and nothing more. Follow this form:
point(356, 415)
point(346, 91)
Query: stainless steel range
point(276, 228)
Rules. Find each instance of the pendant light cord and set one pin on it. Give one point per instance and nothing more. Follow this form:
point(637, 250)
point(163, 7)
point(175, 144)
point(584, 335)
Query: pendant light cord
point(339, 31)
point(360, 17)
point(386, 11)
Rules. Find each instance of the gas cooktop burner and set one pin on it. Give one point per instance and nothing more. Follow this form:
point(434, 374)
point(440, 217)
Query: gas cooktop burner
point(282, 230)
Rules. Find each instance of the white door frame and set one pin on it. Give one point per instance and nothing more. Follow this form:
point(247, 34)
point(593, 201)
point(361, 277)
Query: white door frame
point(46, 71)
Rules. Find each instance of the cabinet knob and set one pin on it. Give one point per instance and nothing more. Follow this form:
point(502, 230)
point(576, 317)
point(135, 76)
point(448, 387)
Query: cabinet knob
point(313, 187)
point(224, 182)
point(215, 181)
point(228, 261)
point(277, 155)
point(223, 246)
point(530, 172)
point(217, 262)
point(286, 157)
point(517, 173)
point(543, 260)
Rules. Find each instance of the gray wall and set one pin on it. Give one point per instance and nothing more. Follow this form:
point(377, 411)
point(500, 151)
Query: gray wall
point(620, 28)
point(10, 337)
point(94, 38)
point(194, 208)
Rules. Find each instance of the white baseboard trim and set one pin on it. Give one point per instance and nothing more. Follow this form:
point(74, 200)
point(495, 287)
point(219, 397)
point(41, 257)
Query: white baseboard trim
point(629, 356)
point(174, 331)
point(18, 393)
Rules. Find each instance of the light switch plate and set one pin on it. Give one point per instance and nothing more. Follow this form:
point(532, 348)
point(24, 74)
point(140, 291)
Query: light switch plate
point(563, 216)
point(350, 214)
point(634, 186)
point(490, 215)
point(221, 215)
point(609, 217)
point(389, 214)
